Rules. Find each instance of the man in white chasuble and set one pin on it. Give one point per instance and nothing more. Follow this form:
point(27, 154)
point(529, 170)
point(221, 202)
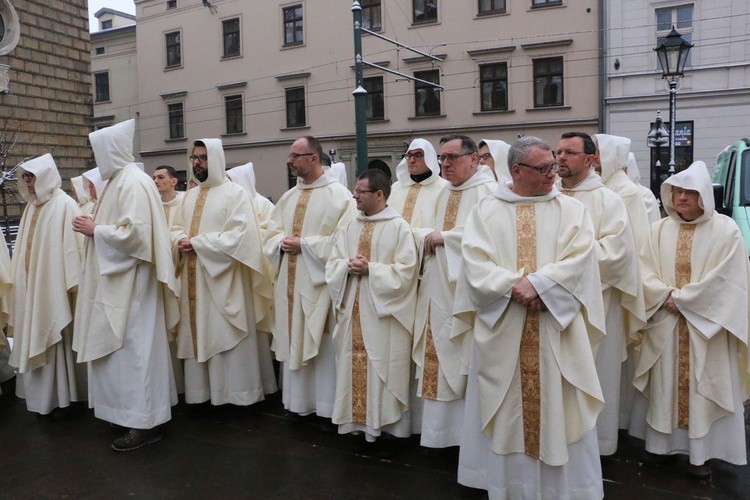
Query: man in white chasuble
point(226, 288)
point(371, 275)
point(531, 285)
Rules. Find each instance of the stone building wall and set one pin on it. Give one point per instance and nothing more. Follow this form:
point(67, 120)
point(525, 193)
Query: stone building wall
point(48, 102)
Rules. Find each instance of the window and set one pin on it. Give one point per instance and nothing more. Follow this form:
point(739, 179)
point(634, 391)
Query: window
point(174, 49)
point(295, 107)
point(545, 3)
point(375, 98)
point(682, 19)
point(293, 25)
point(99, 51)
point(427, 97)
point(2, 27)
point(371, 18)
point(493, 80)
point(491, 7)
point(548, 82)
point(233, 109)
point(424, 11)
point(231, 31)
point(171, 4)
point(176, 120)
point(101, 85)
point(107, 24)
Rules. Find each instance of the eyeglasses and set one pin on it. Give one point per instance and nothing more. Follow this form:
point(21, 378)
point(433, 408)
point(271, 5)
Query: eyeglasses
point(485, 156)
point(294, 156)
point(416, 156)
point(542, 170)
point(452, 157)
point(27, 176)
point(199, 157)
point(568, 152)
point(360, 191)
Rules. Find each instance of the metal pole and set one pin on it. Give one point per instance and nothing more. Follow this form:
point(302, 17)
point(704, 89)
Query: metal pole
point(360, 94)
point(672, 119)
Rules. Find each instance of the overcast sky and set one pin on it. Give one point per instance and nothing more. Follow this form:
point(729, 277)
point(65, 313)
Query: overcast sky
point(126, 6)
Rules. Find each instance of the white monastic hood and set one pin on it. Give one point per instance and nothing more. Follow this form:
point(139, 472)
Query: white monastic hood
point(94, 177)
point(430, 159)
point(499, 151)
point(113, 148)
point(82, 193)
point(633, 173)
point(47, 179)
point(339, 170)
point(613, 154)
point(695, 178)
point(216, 163)
point(244, 176)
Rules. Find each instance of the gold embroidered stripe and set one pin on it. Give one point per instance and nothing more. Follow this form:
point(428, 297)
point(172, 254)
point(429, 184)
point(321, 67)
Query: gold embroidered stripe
point(167, 210)
point(431, 364)
point(682, 272)
point(411, 201)
point(568, 192)
point(299, 219)
point(451, 210)
point(529, 349)
point(359, 352)
point(192, 265)
point(30, 240)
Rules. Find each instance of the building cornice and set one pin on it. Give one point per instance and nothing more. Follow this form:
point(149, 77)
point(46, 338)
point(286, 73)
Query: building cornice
point(684, 94)
point(231, 85)
point(547, 44)
point(421, 59)
point(173, 94)
point(491, 50)
point(291, 76)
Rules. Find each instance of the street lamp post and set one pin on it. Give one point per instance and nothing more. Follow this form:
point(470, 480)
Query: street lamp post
point(673, 53)
point(657, 137)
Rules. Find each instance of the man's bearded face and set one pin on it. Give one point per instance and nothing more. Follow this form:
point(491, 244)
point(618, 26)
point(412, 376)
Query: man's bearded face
point(200, 165)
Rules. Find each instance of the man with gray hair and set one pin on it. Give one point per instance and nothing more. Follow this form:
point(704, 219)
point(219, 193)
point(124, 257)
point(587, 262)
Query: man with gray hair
point(531, 288)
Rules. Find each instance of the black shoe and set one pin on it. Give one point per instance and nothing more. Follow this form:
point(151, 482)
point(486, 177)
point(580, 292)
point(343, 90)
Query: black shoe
point(136, 438)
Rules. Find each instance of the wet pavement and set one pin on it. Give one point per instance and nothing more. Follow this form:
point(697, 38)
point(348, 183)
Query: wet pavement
point(263, 452)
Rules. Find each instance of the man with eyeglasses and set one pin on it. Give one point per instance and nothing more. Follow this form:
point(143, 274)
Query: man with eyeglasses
point(45, 270)
point(372, 278)
point(300, 240)
point(418, 183)
point(439, 345)
point(531, 288)
point(619, 269)
point(225, 287)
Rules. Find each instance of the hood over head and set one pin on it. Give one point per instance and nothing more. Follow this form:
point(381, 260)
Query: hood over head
point(244, 176)
point(47, 179)
point(82, 193)
point(430, 159)
point(613, 154)
point(695, 178)
point(94, 177)
point(113, 147)
point(499, 151)
point(633, 173)
point(217, 163)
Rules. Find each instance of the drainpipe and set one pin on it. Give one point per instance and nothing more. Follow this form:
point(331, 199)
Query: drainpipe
point(602, 66)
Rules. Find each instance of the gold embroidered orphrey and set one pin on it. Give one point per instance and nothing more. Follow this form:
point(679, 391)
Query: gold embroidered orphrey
point(431, 361)
point(359, 352)
point(192, 264)
point(29, 242)
point(529, 349)
point(300, 210)
point(682, 271)
point(411, 201)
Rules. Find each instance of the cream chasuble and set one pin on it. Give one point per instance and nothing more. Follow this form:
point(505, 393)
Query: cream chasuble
point(538, 391)
point(622, 294)
point(652, 204)
point(302, 302)
point(442, 361)
point(694, 366)
point(374, 319)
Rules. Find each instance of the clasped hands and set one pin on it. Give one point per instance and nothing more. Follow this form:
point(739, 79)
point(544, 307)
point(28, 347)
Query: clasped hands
point(358, 265)
point(525, 294)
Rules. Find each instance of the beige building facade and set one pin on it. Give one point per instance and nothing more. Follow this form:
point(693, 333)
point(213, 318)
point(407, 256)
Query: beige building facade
point(260, 74)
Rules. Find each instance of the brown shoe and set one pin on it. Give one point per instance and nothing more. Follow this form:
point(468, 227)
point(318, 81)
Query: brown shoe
point(136, 438)
point(699, 471)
